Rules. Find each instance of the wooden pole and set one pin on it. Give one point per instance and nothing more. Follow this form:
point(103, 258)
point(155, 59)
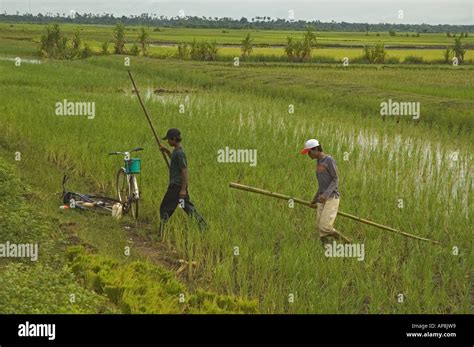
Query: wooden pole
point(307, 203)
point(148, 118)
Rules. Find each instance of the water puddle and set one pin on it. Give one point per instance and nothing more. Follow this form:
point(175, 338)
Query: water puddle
point(28, 61)
point(162, 95)
point(419, 162)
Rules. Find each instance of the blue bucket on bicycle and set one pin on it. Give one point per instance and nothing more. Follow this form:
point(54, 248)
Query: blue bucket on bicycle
point(133, 166)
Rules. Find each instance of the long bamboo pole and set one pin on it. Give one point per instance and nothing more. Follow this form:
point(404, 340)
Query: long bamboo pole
point(148, 117)
point(307, 203)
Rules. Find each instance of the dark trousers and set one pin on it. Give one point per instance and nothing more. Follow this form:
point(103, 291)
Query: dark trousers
point(169, 203)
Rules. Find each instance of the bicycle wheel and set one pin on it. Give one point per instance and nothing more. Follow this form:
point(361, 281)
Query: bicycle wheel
point(125, 193)
point(133, 194)
point(122, 187)
point(134, 208)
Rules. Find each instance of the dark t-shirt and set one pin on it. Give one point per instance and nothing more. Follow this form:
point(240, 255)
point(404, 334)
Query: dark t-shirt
point(178, 162)
point(326, 173)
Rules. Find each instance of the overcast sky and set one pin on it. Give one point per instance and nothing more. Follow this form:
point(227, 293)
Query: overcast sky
point(371, 11)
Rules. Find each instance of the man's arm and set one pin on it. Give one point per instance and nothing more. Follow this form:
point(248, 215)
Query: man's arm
point(184, 183)
point(183, 165)
point(165, 150)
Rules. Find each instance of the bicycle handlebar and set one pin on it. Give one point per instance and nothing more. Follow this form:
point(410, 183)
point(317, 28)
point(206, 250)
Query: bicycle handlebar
point(130, 151)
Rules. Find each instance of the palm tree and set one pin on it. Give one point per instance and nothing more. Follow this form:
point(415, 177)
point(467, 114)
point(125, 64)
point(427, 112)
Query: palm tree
point(247, 46)
point(290, 48)
point(143, 39)
point(458, 50)
point(76, 43)
point(119, 36)
point(309, 41)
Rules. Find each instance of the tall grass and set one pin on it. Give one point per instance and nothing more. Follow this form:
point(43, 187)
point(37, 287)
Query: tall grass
point(279, 252)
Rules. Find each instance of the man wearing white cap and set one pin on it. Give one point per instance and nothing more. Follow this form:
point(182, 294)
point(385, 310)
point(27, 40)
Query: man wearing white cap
point(326, 199)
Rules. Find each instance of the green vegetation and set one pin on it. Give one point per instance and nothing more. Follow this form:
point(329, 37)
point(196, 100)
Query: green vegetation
point(375, 55)
point(54, 44)
point(300, 50)
point(458, 50)
point(46, 290)
point(143, 39)
point(119, 38)
point(413, 60)
point(42, 286)
point(135, 50)
point(69, 279)
point(247, 107)
point(197, 51)
point(268, 46)
point(183, 51)
point(202, 51)
point(105, 48)
point(141, 287)
point(247, 46)
point(262, 38)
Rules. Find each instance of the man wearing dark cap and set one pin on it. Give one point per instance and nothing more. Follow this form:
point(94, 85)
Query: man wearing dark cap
point(177, 193)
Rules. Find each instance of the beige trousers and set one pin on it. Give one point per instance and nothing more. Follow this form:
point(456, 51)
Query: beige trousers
point(325, 217)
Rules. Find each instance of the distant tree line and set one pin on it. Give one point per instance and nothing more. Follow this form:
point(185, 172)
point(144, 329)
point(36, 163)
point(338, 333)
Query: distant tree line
point(257, 22)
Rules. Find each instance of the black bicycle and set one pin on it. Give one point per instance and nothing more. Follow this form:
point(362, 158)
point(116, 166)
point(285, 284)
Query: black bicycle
point(126, 183)
point(95, 203)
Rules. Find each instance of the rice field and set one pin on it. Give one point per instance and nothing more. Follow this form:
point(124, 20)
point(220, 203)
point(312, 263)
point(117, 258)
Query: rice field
point(416, 176)
point(329, 54)
point(233, 36)
point(19, 38)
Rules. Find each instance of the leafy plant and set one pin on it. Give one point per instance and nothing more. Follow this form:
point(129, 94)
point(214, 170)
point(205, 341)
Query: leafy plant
point(53, 44)
point(105, 48)
point(375, 54)
point(247, 46)
point(143, 39)
point(135, 50)
point(119, 38)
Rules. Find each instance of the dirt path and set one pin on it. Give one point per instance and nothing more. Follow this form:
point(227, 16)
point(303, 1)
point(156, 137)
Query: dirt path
point(159, 254)
point(156, 252)
point(137, 234)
